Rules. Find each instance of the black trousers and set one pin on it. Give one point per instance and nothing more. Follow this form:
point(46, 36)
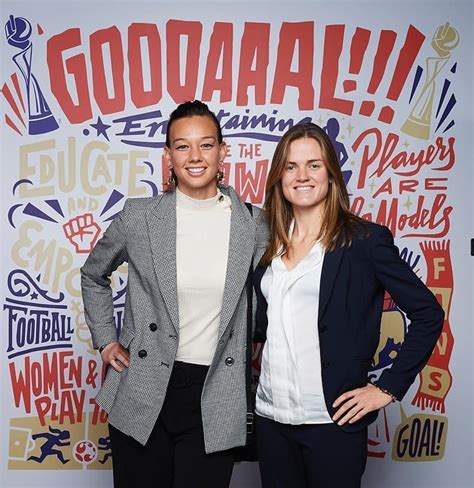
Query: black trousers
point(310, 456)
point(174, 456)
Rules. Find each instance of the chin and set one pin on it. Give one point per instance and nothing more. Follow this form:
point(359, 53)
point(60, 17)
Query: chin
point(199, 183)
point(304, 200)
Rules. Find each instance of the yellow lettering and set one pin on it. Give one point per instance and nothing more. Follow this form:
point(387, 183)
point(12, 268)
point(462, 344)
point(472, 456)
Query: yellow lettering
point(134, 171)
point(85, 160)
point(29, 169)
point(438, 264)
point(24, 241)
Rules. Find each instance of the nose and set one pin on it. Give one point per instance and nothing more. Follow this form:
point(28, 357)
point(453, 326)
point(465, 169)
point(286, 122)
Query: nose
point(195, 153)
point(302, 174)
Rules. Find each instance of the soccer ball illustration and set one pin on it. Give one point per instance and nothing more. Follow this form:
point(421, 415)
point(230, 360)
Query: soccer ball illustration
point(85, 452)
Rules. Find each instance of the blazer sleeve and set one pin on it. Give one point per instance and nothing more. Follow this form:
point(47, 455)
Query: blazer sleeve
point(421, 307)
point(108, 254)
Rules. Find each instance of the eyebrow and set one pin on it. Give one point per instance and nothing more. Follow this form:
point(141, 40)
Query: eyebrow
point(308, 161)
point(185, 138)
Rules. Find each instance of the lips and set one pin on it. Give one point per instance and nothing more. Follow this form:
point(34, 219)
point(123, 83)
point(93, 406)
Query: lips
point(196, 170)
point(304, 188)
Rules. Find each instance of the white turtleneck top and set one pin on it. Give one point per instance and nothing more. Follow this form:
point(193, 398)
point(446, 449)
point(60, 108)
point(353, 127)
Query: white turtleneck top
point(202, 248)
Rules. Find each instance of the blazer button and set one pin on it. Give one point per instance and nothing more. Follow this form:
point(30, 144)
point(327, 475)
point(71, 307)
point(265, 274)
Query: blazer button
point(325, 364)
point(153, 327)
point(142, 354)
point(229, 361)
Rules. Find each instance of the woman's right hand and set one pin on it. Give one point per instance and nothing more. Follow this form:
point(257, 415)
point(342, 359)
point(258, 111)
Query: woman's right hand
point(116, 355)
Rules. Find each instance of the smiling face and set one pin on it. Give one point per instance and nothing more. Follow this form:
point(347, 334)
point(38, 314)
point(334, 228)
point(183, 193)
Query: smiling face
point(195, 155)
point(305, 179)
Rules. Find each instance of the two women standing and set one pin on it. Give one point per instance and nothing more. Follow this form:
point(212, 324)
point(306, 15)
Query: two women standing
point(175, 391)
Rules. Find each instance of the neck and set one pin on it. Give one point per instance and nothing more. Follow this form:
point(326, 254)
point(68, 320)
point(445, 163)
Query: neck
point(307, 222)
point(198, 193)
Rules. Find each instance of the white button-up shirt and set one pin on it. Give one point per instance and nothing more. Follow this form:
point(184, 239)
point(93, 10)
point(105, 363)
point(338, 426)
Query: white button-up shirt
point(290, 389)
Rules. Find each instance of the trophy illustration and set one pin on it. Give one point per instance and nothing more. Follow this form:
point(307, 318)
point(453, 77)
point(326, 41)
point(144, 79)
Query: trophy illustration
point(418, 123)
point(40, 119)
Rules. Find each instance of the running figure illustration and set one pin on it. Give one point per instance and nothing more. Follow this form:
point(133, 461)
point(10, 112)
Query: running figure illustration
point(54, 438)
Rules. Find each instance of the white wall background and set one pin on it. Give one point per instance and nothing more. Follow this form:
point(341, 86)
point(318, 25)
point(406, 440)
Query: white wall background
point(18, 425)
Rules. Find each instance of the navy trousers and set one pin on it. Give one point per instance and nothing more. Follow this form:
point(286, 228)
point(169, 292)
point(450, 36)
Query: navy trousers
point(310, 456)
point(174, 455)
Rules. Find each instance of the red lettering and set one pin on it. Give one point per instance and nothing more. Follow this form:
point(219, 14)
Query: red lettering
point(292, 33)
point(446, 152)
point(220, 47)
point(99, 416)
point(408, 185)
point(435, 383)
point(333, 41)
point(367, 157)
point(43, 406)
point(251, 187)
point(75, 66)
point(175, 29)
point(142, 97)
point(111, 36)
point(50, 374)
point(388, 217)
point(66, 361)
point(21, 385)
point(385, 188)
point(254, 46)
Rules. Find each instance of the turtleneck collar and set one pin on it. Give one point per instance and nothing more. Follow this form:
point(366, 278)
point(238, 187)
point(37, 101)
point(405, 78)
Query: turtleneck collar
point(187, 202)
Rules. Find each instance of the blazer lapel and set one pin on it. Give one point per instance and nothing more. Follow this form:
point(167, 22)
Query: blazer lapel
point(241, 248)
point(331, 264)
point(161, 221)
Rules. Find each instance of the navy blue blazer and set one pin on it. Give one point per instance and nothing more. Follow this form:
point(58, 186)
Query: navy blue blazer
point(353, 282)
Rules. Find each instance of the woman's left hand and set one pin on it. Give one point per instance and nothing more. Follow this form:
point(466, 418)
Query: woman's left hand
point(354, 404)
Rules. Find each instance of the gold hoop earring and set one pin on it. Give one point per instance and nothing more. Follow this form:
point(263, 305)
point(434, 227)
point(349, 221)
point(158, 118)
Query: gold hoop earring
point(170, 182)
point(220, 174)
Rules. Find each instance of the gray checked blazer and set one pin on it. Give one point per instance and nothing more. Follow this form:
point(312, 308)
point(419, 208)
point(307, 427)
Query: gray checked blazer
point(144, 236)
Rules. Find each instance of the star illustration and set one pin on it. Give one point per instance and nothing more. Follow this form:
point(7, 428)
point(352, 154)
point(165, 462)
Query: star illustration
point(408, 203)
point(320, 121)
point(372, 185)
point(350, 128)
point(101, 128)
point(75, 306)
point(34, 296)
point(406, 144)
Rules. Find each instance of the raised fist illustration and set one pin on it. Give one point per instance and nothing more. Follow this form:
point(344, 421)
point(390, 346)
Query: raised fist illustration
point(82, 232)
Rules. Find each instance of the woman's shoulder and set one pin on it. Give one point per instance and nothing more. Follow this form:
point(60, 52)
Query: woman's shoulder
point(365, 229)
point(143, 202)
point(138, 206)
point(368, 234)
